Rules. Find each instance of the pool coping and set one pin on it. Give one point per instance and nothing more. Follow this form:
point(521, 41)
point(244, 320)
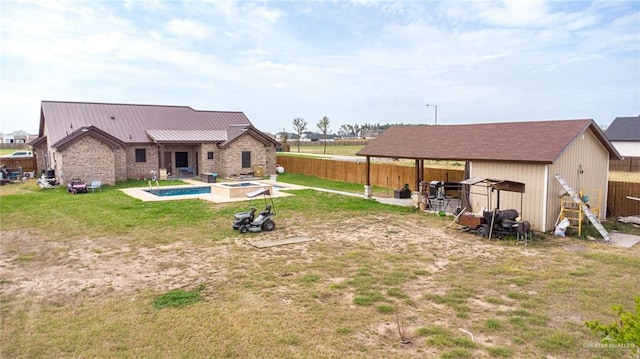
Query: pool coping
point(142, 194)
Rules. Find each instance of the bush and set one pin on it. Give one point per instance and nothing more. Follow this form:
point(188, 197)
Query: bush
point(625, 331)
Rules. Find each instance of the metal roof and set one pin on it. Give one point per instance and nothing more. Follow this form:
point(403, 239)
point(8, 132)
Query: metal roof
point(182, 136)
point(624, 129)
point(129, 123)
point(536, 141)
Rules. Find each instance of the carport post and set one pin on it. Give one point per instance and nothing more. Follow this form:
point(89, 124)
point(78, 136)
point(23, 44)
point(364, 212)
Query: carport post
point(417, 182)
point(367, 183)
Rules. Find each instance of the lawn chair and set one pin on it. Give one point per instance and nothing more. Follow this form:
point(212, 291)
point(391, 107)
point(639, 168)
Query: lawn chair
point(95, 185)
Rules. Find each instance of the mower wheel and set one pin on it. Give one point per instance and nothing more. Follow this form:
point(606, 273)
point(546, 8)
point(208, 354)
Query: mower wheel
point(269, 225)
point(244, 229)
point(483, 232)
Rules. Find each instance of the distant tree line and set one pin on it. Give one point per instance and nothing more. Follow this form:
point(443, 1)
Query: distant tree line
point(300, 127)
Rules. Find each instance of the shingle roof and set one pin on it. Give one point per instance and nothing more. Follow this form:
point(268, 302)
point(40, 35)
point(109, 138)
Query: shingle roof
point(129, 123)
point(541, 141)
point(624, 129)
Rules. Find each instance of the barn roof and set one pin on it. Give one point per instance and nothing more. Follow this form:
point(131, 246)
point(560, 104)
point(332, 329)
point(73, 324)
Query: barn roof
point(535, 141)
point(624, 129)
point(131, 123)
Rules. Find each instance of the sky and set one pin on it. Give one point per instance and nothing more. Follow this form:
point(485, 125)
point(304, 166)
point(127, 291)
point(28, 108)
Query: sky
point(356, 62)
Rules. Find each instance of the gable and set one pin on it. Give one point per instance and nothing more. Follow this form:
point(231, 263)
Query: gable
point(89, 131)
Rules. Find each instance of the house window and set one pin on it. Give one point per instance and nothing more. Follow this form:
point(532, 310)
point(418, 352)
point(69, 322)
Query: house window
point(210, 155)
point(141, 155)
point(246, 159)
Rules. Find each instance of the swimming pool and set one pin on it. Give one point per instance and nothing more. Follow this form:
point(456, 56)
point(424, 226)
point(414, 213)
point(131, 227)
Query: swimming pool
point(165, 192)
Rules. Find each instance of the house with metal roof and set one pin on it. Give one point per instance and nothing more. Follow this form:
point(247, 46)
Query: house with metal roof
point(624, 133)
point(114, 142)
point(527, 152)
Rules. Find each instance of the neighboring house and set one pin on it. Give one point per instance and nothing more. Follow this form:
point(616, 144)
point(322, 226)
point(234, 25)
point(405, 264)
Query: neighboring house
point(115, 142)
point(15, 138)
point(624, 134)
point(315, 136)
point(527, 152)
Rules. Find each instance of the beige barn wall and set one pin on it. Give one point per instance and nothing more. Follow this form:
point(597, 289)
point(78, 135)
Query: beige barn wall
point(532, 175)
point(588, 154)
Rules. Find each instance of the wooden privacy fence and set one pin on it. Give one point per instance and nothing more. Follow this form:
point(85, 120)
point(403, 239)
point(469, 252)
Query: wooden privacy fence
point(28, 164)
point(393, 175)
point(389, 175)
point(628, 164)
point(617, 202)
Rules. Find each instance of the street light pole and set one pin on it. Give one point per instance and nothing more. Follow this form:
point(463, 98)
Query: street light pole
point(436, 107)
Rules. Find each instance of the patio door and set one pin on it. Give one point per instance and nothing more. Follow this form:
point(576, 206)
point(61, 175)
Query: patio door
point(182, 159)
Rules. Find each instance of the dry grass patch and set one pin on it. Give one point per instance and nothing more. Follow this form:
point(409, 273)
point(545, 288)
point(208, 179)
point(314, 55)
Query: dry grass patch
point(374, 282)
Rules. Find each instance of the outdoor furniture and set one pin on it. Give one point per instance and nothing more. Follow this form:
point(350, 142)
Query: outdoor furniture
point(95, 185)
point(76, 186)
point(186, 170)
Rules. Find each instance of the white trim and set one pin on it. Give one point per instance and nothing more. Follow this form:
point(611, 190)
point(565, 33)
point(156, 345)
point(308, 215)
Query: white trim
point(545, 197)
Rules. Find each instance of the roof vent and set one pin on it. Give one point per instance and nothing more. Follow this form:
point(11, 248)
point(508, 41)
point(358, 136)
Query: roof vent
point(113, 117)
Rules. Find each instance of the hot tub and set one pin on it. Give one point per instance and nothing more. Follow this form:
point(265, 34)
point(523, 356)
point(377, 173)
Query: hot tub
point(237, 189)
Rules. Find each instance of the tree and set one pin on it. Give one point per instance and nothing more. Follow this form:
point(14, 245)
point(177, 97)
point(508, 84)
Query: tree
point(323, 125)
point(300, 125)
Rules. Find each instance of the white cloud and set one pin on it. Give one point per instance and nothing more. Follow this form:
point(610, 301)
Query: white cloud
point(364, 61)
point(186, 28)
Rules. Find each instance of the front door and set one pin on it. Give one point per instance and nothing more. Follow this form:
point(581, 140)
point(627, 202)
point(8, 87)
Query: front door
point(167, 161)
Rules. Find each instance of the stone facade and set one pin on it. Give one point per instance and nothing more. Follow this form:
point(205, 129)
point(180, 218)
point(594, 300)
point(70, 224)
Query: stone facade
point(261, 155)
point(141, 170)
point(210, 165)
point(86, 159)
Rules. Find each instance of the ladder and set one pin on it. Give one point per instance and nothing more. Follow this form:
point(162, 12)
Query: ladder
point(585, 209)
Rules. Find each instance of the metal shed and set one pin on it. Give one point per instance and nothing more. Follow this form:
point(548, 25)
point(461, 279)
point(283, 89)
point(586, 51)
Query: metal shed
point(527, 152)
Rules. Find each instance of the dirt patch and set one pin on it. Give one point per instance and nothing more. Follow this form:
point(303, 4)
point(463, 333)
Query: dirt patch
point(34, 266)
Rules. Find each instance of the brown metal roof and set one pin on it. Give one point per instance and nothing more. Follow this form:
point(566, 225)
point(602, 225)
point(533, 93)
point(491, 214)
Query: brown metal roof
point(129, 123)
point(540, 141)
point(182, 136)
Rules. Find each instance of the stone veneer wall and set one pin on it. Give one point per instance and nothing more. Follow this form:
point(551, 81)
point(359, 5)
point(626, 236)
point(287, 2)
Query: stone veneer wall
point(207, 165)
point(40, 152)
point(86, 159)
point(141, 170)
point(231, 158)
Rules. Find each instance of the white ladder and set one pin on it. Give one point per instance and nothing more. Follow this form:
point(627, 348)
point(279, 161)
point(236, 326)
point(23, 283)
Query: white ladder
point(585, 208)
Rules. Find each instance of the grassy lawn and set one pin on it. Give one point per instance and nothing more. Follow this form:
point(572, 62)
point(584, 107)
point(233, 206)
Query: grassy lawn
point(105, 275)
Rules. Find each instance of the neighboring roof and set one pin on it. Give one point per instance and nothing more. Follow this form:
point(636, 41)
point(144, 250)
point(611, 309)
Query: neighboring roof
point(130, 123)
point(624, 129)
point(540, 141)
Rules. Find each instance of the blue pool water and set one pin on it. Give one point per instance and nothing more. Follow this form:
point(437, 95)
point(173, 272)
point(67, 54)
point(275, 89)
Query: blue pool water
point(164, 192)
